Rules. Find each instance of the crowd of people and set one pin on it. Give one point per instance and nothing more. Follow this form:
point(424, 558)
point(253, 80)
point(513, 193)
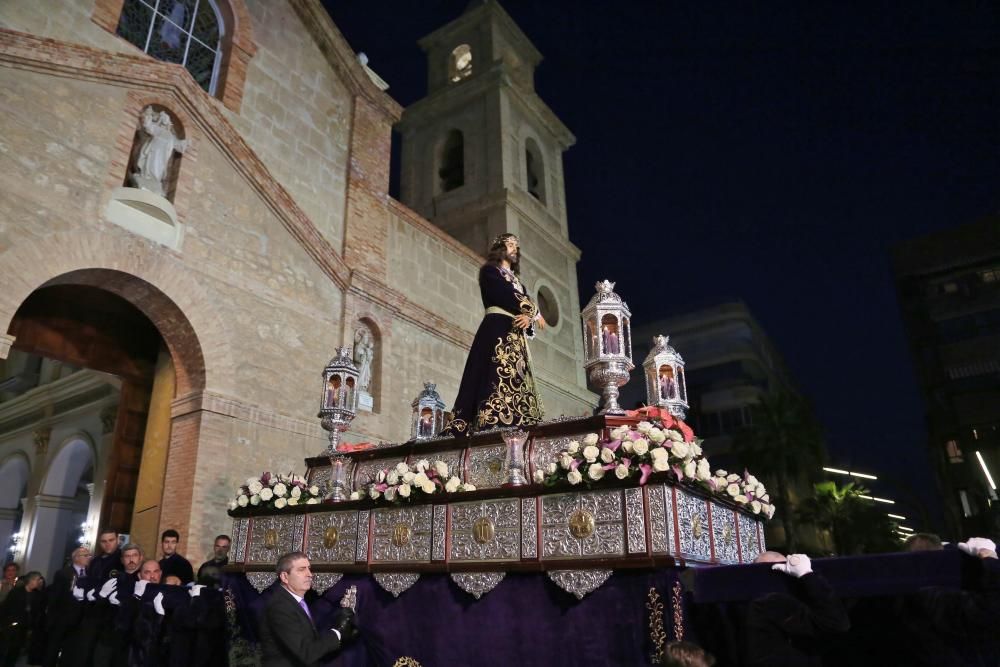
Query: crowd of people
point(116, 608)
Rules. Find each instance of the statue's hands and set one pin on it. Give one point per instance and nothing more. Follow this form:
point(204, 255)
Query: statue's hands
point(523, 321)
point(540, 322)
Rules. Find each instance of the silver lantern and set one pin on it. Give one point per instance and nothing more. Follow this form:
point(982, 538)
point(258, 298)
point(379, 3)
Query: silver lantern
point(607, 341)
point(428, 413)
point(665, 384)
point(338, 408)
point(514, 438)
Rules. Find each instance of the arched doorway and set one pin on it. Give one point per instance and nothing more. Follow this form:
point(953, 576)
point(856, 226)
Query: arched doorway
point(113, 328)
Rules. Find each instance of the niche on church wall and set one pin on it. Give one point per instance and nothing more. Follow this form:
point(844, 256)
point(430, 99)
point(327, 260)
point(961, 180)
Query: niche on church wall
point(368, 359)
point(548, 306)
point(534, 170)
point(143, 204)
point(451, 172)
point(460, 63)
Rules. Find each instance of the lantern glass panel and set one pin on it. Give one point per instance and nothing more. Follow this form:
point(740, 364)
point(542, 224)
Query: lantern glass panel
point(332, 391)
point(591, 340)
point(683, 387)
point(626, 340)
point(426, 425)
point(610, 341)
point(667, 382)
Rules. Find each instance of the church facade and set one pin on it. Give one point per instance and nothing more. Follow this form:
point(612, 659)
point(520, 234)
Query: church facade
point(196, 213)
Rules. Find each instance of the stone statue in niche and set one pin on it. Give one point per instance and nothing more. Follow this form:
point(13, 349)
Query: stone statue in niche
point(160, 142)
point(364, 359)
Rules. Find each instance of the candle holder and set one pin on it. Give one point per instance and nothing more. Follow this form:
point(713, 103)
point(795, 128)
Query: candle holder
point(514, 438)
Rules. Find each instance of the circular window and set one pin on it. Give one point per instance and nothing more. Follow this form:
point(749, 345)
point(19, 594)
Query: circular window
point(548, 306)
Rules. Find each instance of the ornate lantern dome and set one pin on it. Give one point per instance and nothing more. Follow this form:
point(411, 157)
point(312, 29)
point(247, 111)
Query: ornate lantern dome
point(339, 402)
point(607, 343)
point(428, 413)
point(665, 383)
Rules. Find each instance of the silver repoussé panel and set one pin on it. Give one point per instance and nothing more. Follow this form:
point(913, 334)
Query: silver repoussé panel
point(332, 537)
point(692, 524)
point(402, 535)
point(724, 531)
point(274, 536)
point(487, 530)
point(601, 509)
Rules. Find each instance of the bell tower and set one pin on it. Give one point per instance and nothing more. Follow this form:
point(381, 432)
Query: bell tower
point(482, 155)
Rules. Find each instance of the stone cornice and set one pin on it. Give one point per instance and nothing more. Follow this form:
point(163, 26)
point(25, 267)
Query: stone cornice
point(38, 402)
point(342, 58)
point(24, 51)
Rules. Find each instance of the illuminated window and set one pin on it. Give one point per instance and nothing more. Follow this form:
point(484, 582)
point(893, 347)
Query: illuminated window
point(954, 451)
point(460, 65)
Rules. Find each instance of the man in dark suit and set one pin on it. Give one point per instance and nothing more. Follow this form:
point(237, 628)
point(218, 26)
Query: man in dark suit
point(16, 616)
point(220, 554)
point(64, 611)
point(288, 636)
point(173, 564)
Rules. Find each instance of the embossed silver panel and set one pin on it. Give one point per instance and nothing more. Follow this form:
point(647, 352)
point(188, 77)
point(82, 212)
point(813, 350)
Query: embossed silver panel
point(323, 581)
point(477, 583)
point(749, 549)
point(579, 582)
point(692, 524)
point(361, 555)
point(607, 537)
point(529, 528)
point(440, 526)
point(499, 534)
point(241, 529)
point(261, 580)
point(545, 451)
point(331, 537)
point(760, 536)
point(636, 517)
point(661, 518)
point(273, 536)
point(391, 524)
point(488, 466)
point(319, 476)
point(724, 531)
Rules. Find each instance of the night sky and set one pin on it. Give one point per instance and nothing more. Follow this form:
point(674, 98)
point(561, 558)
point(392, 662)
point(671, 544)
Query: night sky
point(772, 153)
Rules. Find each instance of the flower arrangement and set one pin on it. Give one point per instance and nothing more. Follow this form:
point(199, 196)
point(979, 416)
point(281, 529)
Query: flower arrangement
point(277, 491)
point(406, 481)
point(659, 443)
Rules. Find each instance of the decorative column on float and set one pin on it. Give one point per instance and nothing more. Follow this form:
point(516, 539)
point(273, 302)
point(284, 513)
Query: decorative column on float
point(338, 407)
point(665, 383)
point(607, 342)
point(428, 413)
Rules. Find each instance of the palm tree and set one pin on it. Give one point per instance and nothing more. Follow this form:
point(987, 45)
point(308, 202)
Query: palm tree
point(855, 524)
point(783, 444)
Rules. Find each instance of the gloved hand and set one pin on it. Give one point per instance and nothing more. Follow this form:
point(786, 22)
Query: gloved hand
point(140, 588)
point(113, 599)
point(158, 604)
point(344, 623)
point(78, 593)
point(975, 544)
point(109, 587)
point(797, 565)
point(90, 595)
point(196, 590)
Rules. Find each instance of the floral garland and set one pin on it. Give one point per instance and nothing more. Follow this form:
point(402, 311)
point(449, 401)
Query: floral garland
point(277, 491)
point(405, 482)
point(660, 443)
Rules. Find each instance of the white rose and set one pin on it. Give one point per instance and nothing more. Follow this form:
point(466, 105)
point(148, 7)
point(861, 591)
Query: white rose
point(640, 447)
point(266, 494)
point(468, 487)
point(741, 499)
point(676, 436)
point(755, 506)
point(619, 433)
point(550, 469)
point(565, 461)
point(733, 478)
point(595, 471)
point(252, 480)
point(423, 465)
point(760, 491)
point(628, 446)
point(591, 453)
point(428, 487)
point(539, 476)
point(590, 439)
point(380, 476)
point(690, 469)
point(233, 504)
point(296, 492)
point(680, 450)
point(390, 493)
point(765, 498)
point(751, 481)
point(280, 503)
point(770, 511)
point(574, 477)
point(314, 490)
point(292, 502)
point(373, 493)
point(695, 448)
point(441, 468)
point(721, 473)
point(402, 468)
point(404, 490)
point(607, 455)
point(355, 495)
point(656, 435)
point(643, 427)
point(315, 501)
point(420, 479)
point(452, 485)
point(661, 460)
point(733, 490)
point(255, 500)
point(242, 500)
point(280, 489)
point(621, 471)
point(392, 478)
point(254, 486)
point(408, 477)
point(704, 471)
point(573, 447)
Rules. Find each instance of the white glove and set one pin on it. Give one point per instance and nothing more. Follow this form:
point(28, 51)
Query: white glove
point(974, 544)
point(158, 604)
point(114, 599)
point(109, 587)
point(140, 588)
point(196, 590)
point(797, 565)
point(78, 593)
point(90, 595)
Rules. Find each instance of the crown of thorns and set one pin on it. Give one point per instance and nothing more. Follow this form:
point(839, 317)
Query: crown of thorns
point(502, 238)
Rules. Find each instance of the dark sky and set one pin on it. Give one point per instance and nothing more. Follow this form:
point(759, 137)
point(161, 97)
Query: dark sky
point(771, 152)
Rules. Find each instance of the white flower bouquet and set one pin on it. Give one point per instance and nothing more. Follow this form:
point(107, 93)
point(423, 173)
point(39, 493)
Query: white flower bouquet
point(277, 491)
point(403, 482)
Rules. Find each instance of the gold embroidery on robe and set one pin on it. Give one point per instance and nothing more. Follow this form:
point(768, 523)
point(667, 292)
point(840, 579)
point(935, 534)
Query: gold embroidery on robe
point(514, 402)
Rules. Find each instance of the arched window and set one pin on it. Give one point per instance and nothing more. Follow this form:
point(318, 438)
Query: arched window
point(534, 170)
point(548, 306)
point(460, 63)
point(188, 32)
point(452, 170)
